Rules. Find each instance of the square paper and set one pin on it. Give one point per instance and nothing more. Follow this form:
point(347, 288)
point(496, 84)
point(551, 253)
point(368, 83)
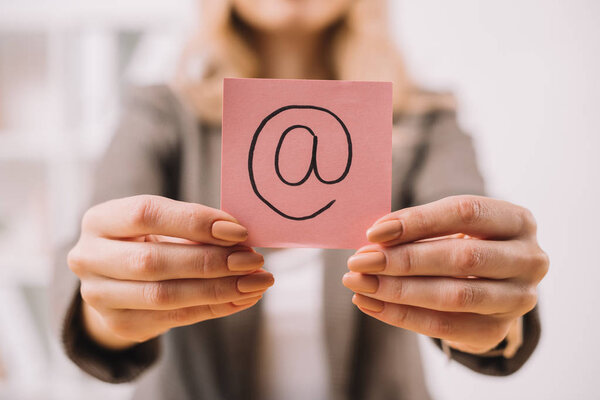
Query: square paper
point(306, 163)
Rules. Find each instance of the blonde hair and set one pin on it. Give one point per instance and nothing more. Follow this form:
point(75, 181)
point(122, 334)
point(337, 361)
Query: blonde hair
point(361, 48)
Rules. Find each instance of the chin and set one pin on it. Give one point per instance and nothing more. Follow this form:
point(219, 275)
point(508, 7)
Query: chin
point(291, 15)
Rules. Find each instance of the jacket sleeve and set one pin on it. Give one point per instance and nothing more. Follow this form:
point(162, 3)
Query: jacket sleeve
point(448, 166)
point(139, 160)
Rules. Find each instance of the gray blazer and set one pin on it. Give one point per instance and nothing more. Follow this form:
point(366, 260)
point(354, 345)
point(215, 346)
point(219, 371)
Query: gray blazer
point(160, 148)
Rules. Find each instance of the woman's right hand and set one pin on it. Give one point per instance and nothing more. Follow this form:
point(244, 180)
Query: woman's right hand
point(148, 264)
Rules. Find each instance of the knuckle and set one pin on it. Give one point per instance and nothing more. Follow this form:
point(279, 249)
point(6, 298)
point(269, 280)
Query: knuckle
point(529, 299)
point(87, 219)
point(203, 261)
point(528, 221)
point(466, 296)
point(400, 315)
point(218, 293)
point(198, 220)
point(143, 211)
point(541, 264)
point(75, 260)
point(212, 311)
point(420, 220)
point(398, 288)
point(470, 259)
point(470, 209)
point(158, 293)
point(181, 316)
point(440, 327)
point(143, 261)
point(90, 294)
point(408, 256)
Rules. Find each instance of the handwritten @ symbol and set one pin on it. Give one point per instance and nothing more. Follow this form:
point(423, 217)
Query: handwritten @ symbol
point(313, 168)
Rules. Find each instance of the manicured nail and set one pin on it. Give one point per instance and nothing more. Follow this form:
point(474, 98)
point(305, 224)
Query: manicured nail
point(368, 303)
point(245, 261)
point(385, 231)
point(373, 261)
point(247, 301)
point(254, 282)
point(230, 231)
point(360, 283)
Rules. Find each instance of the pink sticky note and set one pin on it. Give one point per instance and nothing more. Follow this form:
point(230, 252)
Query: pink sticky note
point(306, 163)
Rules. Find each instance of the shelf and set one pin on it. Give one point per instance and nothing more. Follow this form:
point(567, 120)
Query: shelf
point(20, 146)
point(64, 62)
point(39, 15)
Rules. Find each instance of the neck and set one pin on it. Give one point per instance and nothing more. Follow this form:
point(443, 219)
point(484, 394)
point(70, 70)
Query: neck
point(292, 56)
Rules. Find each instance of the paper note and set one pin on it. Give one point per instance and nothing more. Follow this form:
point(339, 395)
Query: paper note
point(306, 163)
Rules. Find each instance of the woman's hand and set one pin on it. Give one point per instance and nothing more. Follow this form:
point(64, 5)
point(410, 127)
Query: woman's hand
point(425, 275)
point(148, 263)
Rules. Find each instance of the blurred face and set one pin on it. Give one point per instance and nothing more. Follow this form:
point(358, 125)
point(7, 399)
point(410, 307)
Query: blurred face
point(290, 15)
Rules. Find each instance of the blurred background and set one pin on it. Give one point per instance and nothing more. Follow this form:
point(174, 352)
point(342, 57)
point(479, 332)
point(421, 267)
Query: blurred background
point(526, 74)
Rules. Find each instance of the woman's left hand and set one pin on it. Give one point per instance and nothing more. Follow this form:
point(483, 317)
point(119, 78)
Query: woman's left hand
point(462, 269)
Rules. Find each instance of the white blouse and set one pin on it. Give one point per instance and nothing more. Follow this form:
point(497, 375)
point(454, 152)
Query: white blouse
point(293, 363)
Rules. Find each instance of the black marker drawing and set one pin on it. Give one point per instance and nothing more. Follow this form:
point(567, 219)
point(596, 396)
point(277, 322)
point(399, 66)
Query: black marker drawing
point(313, 162)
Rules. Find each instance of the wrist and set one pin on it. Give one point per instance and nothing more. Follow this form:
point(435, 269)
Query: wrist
point(96, 329)
point(507, 348)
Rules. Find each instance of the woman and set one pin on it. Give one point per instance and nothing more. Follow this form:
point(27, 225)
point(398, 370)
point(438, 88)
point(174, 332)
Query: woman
point(151, 273)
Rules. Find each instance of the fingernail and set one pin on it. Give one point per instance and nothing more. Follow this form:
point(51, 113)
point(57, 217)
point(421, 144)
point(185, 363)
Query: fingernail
point(245, 261)
point(373, 261)
point(253, 282)
point(247, 301)
point(230, 231)
point(385, 231)
point(368, 303)
point(360, 283)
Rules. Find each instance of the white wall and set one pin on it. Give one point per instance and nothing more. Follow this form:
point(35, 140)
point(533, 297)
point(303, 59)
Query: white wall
point(526, 74)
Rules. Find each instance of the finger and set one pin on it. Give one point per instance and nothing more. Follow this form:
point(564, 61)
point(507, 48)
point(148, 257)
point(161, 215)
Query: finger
point(251, 300)
point(145, 324)
point(460, 327)
point(477, 216)
point(192, 315)
point(139, 261)
point(169, 295)
point(445, 294)
point(449, 257)
point(144, 215)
